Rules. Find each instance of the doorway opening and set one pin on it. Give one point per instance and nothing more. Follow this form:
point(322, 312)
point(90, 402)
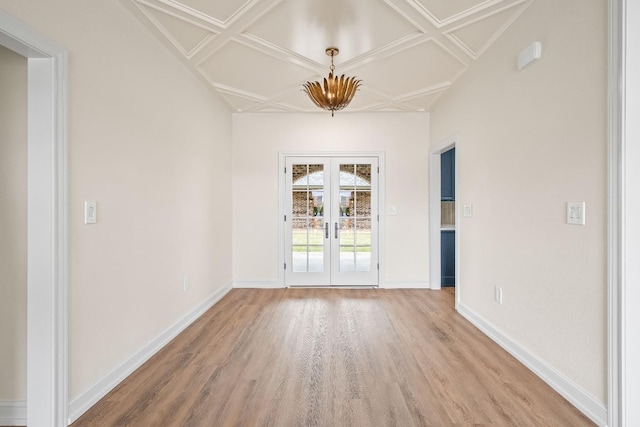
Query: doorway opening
point(448, 218)
point(444, 228)
point(331, 221)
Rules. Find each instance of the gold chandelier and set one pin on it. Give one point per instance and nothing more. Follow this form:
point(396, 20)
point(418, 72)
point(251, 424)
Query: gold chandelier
point(336, 93)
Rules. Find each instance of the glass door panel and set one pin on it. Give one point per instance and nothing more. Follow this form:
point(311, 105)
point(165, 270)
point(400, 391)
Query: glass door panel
point(357, 232)
point(362, 242)
point(306, 244)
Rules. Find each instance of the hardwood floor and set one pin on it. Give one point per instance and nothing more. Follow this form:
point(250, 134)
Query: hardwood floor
point(332, 357)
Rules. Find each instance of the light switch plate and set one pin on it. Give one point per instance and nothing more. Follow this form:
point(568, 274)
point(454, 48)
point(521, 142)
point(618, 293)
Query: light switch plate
point(468, 211)
point(90, 212)
point(576, 213)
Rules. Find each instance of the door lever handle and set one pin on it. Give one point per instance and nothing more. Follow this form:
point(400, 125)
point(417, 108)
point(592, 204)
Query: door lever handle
point(326, 230)
point(336, 230)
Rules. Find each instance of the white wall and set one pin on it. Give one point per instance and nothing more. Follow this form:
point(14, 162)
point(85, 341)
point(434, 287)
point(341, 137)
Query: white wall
point(257, 140)
point(530, 141)
point(13, 226)
point(152, 146)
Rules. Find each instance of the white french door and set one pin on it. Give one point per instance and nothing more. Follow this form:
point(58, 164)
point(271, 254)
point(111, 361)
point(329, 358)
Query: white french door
point(331, 221)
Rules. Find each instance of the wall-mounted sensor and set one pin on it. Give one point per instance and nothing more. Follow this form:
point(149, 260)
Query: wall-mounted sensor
point(529, 54)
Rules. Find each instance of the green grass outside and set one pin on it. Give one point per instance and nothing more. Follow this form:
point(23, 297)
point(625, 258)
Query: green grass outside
point(316, 241)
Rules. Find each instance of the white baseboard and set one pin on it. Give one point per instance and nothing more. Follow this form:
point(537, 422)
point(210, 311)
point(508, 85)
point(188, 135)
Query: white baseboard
point(13, 412)
point(581, 399)
point(264, 284)
point(274, 284)
point(93, 394)
point(405, 285)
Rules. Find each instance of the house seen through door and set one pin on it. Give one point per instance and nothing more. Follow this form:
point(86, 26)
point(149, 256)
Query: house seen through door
point(331, 221)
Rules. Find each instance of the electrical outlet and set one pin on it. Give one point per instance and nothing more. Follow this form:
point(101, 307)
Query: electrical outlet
point(185, 283)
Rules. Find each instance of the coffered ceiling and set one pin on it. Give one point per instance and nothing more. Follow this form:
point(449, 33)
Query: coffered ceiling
point(256, 54)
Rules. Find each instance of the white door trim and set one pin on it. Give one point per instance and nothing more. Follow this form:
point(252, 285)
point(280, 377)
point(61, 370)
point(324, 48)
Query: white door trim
point(624, 202)
point(614, 354)
point(282, 155)
point(47, 271)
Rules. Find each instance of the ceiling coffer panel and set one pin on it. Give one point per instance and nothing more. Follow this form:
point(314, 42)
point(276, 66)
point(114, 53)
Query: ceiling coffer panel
point(355, 26)
point(410, 70)
point(218, 10)
point(184, 35)
point(442, 11)
point(249, 70)
point(256, 54)
point(479, 34)
point(424, 102)
point(238, 102)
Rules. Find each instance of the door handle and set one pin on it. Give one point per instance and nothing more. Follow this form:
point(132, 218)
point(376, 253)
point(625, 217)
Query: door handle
point(336, 229)
point(326, 230)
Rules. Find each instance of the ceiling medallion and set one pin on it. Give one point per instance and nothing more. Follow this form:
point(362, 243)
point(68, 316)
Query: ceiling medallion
point(336, 93)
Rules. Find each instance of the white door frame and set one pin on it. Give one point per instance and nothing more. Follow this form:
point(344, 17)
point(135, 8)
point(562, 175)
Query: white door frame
point(624, 203)
point(435, 272)
point(47, 259)
point(282, 155)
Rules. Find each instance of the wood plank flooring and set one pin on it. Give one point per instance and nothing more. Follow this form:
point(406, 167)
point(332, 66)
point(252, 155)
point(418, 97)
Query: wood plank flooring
point(332, 357)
